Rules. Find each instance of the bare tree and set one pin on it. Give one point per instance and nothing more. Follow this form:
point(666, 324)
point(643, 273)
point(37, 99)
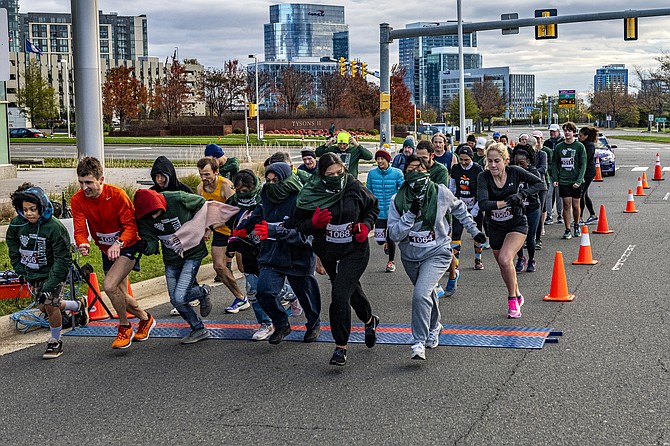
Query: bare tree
point(488, 98)
point(172, 93)
point(617, 103)
point(333, 90)
point(293, 88)
point(651, 94)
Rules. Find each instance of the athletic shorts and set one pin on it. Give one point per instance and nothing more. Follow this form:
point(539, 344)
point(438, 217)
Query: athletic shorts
point(497, 235)
point(56, 295)
point(566, 190)
point(125, 252)
point(219, 239)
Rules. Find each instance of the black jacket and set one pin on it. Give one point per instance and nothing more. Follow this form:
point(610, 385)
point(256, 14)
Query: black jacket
point(165, 166)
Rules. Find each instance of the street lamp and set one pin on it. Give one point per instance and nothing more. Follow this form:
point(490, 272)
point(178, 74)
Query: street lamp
point(258, 118)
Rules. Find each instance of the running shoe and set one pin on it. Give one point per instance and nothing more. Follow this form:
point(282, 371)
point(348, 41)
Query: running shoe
point(513, 308)
point(439, 291)
point(54, 349)
point(452, 285)
point(312, 334)
point(238, 305)
point(581, 222)
point(195, 336)
point(479, 265)
point(592, 220)
point(567, 235)
point(144, 328)
point(296, 308)
point(174, 312)
point(520, 300)
point(390, 267)
point(124, 337)
point(82, 312)
point(371, 332)
point(549, 221)
point(531, 266)
point(339, 357)
point(578, 231)
point(559, 220)
point(434, 337)
point(520, 264)
point(279, 334)
point(538, 245)
point(205, 301)
point(418, 351)
point(264, 332)
point(486, 244)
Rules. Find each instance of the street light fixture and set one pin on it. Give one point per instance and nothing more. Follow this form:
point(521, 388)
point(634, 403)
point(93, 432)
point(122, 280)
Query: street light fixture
point(258, 119)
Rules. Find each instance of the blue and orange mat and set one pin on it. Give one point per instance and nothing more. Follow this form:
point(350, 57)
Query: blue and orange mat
point(452, 335)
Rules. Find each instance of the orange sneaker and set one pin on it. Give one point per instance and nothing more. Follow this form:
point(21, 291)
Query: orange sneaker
point(145, 328)
point(124, 338)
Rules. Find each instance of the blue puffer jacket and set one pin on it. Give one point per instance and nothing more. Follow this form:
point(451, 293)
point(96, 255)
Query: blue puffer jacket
point(384, 184)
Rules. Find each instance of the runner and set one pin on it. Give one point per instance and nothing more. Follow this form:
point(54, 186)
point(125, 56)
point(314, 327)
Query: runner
point(480, 151)
point(348, 149)
point(443, 153)
point(499, 195)
point(228, 167)
point(217, 188)
point(384, 181)
point(39, 249)
point(106, 211)
point(165, 178)
point(408, 147)
point(463, 184)
point(541, 154)
point(340, 212)
point(588, 136)
point(552, 193)
point(159, 216)
point(417, 221)
point(309, 162)
point(524, 158)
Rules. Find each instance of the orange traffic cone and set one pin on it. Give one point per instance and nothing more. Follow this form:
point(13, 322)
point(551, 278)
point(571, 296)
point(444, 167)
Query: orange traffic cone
point(599, 173)
point(97, 310)
point(630, 205)
point(639, 191)
point(658, 171)
point(585, 256)
point(603, 227)
point(645, 185)
point(559, 283)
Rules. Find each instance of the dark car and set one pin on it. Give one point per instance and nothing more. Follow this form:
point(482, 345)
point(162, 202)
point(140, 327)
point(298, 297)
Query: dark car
point(26, 133)
point(606, 155)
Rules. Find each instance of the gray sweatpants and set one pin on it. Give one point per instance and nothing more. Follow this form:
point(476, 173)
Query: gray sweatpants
point(424, 276)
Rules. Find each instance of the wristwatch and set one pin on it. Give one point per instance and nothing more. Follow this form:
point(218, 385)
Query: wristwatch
point(119, 242)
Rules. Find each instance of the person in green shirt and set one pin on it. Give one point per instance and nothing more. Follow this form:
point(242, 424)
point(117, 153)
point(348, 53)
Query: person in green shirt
point(228, 167)
point(159, 216)
point(39, 250)
point(568, 165)
point(348, 149)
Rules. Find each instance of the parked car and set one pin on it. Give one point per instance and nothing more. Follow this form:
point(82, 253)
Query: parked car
point(606, 154)
point(26, 133)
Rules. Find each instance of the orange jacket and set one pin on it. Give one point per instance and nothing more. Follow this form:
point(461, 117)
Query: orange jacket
point(111, 216)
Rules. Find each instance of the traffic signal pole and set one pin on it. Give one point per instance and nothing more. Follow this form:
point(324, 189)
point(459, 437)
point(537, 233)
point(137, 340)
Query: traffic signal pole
point(385, 130)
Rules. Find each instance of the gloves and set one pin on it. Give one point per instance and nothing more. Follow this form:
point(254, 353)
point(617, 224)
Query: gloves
point(415, 208)
point(240, 233)
point(43, 297)
point(514, 200)
point(141, 246)
point(262, 230)
point(361, 232)
point(480, 238)
point(321, 218)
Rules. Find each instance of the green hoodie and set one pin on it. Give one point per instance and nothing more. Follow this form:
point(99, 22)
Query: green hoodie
point(568, 163)
point(350, 157)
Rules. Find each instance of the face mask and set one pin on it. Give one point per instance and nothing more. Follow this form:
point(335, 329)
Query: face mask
point(417, 182)
point(334, 183)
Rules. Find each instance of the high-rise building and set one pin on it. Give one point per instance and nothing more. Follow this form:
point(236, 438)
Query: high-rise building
point(301, 30)
point(425, 57)
point(12, 7)
point(611, 76)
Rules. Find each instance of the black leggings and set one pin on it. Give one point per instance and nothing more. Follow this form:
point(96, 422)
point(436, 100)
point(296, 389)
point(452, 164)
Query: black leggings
point(586, 199)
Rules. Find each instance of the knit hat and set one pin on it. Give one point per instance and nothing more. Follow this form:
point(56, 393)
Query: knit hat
point(282, 170)
point(147, 202)
point(409, 142)
point(343, 138)
point(213, 150)
point(304, 153)
point(481, 143)
point(381, 153)
point(466, 150)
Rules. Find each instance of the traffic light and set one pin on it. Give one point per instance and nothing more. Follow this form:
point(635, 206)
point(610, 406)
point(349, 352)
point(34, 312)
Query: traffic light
point(364, 69)
point(343, 66)
point(630, 28)
point(546, 31)
point(253, 110)
point(353, 68)
point(418, 114)
point(384, 101)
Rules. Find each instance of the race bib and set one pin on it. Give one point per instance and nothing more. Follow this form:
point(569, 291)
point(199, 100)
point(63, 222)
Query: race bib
point(171, 242)
point(29, 259)
point(568, 163)
point(469, 202)
point(380, 234)
point(503, 214)
point(346, 158)
point(422, 239)
point(339, 233)
point(107, 239)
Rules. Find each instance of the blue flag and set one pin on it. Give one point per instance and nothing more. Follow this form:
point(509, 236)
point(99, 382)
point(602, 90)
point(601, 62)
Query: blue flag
point(32, 48)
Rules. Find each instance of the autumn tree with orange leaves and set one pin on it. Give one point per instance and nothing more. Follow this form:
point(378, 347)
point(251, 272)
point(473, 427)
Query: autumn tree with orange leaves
point(123, 95)
point(402, 110)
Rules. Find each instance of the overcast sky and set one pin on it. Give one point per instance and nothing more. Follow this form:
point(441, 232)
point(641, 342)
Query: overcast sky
point(213, 31)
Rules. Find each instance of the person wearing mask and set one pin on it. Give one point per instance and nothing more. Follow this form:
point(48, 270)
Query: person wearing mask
point(340, 212)
point(418, 222)
point(164, 176)
point(443, 151)
point(588, 137)
point(408, 147)
point(228, 167)
point(309, 162)
point(524, 157)
point(552, 193)
point(501, 198)
point(384, 182)
point(542, 166)
point(348, 149)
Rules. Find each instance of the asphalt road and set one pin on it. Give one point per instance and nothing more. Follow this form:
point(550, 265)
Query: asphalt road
point(606, 382)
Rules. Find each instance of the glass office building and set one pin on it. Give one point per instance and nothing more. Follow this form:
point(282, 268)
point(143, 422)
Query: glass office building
point(611, 76)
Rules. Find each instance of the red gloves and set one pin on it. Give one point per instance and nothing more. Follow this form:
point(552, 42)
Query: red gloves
point(321, 218)
point(262, 230)
point(361, 232)
point(240, 233)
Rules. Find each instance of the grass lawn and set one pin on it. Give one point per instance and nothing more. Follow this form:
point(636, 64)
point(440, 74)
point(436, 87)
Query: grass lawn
point(643, 138)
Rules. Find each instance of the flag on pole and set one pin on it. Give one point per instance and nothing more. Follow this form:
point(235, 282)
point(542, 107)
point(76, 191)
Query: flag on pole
point(32, 48)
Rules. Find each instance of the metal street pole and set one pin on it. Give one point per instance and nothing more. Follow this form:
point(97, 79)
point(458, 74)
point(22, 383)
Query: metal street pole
point(258, 101)
point(461, 74)
point(416, 133)
point(246, 127)
point(385, 130)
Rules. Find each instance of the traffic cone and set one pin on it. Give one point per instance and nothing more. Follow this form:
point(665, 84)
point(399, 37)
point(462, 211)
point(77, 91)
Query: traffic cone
point(603, 227)
point(639, 191)
point(658, 171)
point(645, 185)
point(97, 310)
point(585, 256)
point(559, 283)
point(599, 172)
point(630, 205)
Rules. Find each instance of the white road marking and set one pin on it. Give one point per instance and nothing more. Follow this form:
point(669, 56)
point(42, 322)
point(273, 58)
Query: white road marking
point(666, 169)
point(132, 149)
point(623, 258)
point(639, 169)
point(625, 166)
point(666, 196)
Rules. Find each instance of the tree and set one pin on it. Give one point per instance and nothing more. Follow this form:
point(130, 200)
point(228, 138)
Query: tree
point(221, 90)
point(293, 88)
point(488, 98)
point(471, 109)
point(616, 103)
point(122, 95)
point(173, 92)
point(402, 110)
point(264, 85)
point(36, 98)
point(651, 93)
point(362, 97)
point(333, 90)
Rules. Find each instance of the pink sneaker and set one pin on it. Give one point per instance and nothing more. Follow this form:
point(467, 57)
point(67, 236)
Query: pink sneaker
point(513, 308)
